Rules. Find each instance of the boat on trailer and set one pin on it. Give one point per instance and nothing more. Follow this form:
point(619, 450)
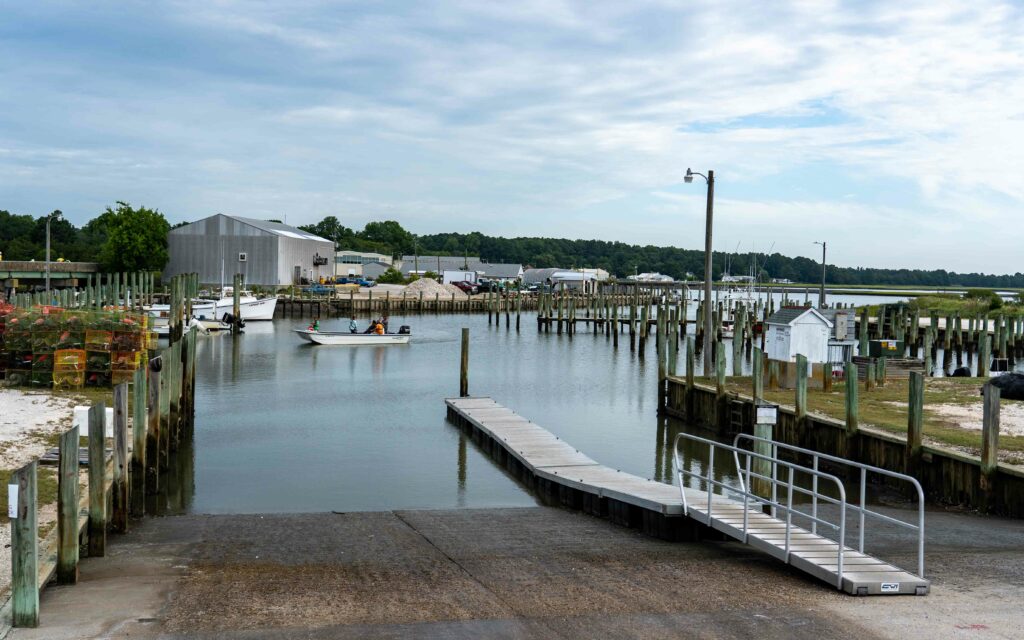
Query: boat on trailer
point(353, 339)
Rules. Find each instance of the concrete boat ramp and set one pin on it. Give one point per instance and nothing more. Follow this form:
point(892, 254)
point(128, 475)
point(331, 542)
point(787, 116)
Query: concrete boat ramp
point(557, 470)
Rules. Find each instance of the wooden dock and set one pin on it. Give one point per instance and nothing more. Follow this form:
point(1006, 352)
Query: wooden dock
point(556, 469)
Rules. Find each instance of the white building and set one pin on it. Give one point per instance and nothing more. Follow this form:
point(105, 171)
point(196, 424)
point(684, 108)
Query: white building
point(798, 330)
point(351, 263)
point(651, 277)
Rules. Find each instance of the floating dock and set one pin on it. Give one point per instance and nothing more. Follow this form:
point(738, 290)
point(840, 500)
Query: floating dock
point(556, 469)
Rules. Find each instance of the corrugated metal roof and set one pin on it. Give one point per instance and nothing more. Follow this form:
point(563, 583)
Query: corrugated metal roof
point(278, 228)
point(789, 315)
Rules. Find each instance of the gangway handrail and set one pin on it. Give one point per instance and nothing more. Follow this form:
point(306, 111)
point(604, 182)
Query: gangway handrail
point(862, 509)
point(744, 490)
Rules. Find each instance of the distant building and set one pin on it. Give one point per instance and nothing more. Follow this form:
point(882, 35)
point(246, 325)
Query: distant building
point(268, 254)
point(781, 281)
point(419, 265)
point(599, 274)
point(374, 270)
point(351, 263)
point(650, 277)
point(555, 277)
point(729, 278)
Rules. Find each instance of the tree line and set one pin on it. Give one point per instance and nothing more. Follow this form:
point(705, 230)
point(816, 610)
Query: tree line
point(122, 238)
point(126, 238)
point(623, 259)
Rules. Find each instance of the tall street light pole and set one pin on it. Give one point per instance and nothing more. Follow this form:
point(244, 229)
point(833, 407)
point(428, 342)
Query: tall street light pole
point(821, 294)
point(708, 329)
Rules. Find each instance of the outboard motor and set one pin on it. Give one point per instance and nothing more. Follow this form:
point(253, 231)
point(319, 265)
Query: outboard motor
point(230, 319)
point(404, 330)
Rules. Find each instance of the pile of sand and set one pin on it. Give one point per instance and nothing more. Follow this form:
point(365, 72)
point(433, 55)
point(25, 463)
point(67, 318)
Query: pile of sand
point(431, 288)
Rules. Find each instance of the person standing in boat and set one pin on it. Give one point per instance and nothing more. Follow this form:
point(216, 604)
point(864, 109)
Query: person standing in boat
point(352, 326)
point(384, 321)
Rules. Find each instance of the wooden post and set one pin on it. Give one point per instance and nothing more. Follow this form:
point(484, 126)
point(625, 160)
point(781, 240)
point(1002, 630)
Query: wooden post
point(690, 360)
point(801, 386)
point(97, 493)
point(720, 371)
point(152, 452)
point(989, 435)
point(236, 304)
point(67, 507)
point(852, 406)
point(758, 375)
point(464, 366)
point(863, 342)
point(869, 376)
point(915, 420)
point(880, 372)
point(119, 493)
point(24, 548)
point(984, 355)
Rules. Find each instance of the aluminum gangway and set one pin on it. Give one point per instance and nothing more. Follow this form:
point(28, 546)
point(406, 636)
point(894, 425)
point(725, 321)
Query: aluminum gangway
point(540, 457)
point(757, 508)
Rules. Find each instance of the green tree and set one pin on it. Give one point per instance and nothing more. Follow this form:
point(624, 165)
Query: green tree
point(136, 239)
point(331, 229)
point(389, 233)
point(391, 276)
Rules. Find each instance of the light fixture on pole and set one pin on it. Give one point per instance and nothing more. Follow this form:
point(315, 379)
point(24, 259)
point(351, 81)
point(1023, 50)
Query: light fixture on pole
point(821, 294)
point(708, 329)
point(56, 214)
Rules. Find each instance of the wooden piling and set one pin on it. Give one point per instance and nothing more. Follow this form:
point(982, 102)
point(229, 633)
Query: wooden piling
point(464, 365)
point(67, 507)
point(119, 489)
point(97, 468)
point(801, 386)
point(153, 439)
point(690, 365)
point(852, 405)
point(989, 435)
point(24, 547)
point(915, 420)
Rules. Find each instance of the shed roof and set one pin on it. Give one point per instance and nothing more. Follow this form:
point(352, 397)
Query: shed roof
point(499, 269)
point(789, 315)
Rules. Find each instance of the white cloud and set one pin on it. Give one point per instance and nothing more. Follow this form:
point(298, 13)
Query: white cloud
point(450, 114)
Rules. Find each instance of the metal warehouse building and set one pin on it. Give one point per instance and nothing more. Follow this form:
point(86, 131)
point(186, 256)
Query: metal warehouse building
point(266, 253)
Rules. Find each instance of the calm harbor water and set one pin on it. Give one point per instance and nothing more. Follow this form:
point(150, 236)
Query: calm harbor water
point(284, 426)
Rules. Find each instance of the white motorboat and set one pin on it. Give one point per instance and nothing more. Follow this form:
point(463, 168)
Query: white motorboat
point(354, 339)
point(252, 308)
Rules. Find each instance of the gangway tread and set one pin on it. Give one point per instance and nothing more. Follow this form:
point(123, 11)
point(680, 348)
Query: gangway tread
point(554, 460)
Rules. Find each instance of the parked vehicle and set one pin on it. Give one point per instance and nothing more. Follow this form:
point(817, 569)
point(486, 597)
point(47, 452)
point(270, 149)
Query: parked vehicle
point(319, 289)
point(484, 284)
point(466, 287)
point(363, 282)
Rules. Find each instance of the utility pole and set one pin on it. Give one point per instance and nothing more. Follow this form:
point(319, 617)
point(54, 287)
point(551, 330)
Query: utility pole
point(821, 294)
point(56, 214)
point(708, 275)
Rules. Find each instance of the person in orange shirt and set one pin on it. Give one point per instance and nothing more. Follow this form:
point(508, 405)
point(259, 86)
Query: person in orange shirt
point(379, 329)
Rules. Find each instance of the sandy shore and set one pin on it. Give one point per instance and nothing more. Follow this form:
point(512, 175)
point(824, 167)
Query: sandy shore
point(27, 418)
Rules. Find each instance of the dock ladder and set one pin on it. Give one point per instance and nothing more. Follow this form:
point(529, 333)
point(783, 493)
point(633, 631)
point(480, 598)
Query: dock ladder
point(737, 509)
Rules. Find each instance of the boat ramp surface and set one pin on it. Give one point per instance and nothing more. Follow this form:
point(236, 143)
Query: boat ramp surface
point(557, 468)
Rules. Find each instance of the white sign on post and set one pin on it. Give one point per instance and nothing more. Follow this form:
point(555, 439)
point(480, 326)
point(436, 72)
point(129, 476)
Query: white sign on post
point(767, 414)
point(12, 501)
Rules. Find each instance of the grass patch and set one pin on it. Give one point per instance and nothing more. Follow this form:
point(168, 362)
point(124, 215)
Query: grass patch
point(886, 408)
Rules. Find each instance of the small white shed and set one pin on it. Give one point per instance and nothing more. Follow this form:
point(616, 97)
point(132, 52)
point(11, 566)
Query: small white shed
point(798, 330)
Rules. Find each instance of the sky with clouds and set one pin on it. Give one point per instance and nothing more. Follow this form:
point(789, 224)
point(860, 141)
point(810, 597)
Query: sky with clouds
point(895, 131)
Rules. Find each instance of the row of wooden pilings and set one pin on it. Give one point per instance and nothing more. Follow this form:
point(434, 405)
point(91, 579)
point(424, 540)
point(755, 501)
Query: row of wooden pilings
point(134, 289)
point(162, 413)
point(849, 440)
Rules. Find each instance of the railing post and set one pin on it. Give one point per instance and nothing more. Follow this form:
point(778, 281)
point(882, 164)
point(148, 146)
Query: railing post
point(21, 509)
point(97, 493)
point(67, 507)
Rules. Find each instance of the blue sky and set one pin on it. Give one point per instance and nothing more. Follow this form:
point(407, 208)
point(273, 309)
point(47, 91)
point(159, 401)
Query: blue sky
point(895, 131)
